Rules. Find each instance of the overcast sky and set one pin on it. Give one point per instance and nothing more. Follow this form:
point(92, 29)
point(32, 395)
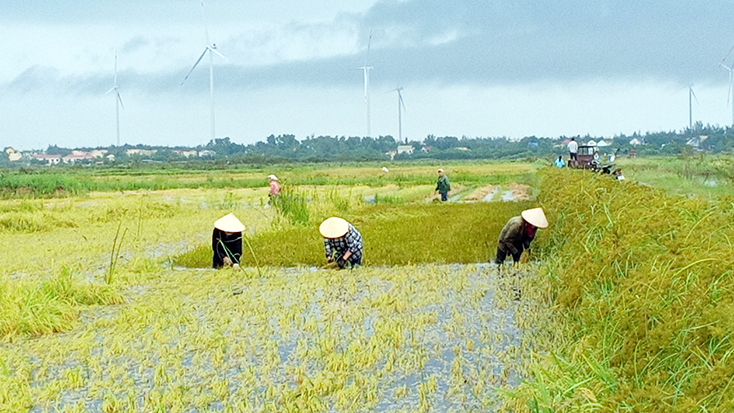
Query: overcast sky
point(480, 68)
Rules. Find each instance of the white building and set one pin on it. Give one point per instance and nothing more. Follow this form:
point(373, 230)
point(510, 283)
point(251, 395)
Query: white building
point(635, 142)
point(405, 149)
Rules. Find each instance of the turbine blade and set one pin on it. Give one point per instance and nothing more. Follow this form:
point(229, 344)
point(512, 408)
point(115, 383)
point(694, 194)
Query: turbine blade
point(694, 95)
point(214, 49)
point(119, 98)
point(108, 92)
point(194, 67)
point(115, 67)
point(401, 100)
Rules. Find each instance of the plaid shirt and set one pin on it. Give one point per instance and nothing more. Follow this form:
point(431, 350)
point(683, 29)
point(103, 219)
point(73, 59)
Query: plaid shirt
point(352, 241)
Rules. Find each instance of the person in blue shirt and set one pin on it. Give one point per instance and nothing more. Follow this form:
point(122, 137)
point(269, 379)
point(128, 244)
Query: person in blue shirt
point(559, 162)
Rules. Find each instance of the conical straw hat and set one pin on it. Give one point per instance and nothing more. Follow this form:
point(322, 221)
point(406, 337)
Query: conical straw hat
point(334, 227)
point(535, 217)
point(229, 223)
point(273, 177)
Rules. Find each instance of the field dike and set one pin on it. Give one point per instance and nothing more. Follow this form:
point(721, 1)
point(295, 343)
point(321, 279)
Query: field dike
point(644, 291)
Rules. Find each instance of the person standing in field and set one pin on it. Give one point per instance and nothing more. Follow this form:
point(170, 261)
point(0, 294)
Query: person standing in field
point(573, 152)
point(274, 193)
point(227, 242)
point(342, 242)
point(443, 186)
point(518, 233)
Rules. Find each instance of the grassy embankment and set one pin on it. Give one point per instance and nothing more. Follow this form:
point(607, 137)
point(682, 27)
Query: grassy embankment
point(643, 284)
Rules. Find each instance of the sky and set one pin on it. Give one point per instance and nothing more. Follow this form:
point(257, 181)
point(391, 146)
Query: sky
point(476, 68)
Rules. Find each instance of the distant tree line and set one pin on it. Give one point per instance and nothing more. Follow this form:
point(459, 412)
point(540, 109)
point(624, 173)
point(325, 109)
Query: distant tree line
point(286, 148)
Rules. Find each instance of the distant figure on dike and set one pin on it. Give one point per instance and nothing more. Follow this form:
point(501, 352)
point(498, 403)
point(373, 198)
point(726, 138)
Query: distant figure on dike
point(518, 233)
point(274, 193)
point(573, 152)
point(342, 242)
point(559, 162)
point(443, 186)
point(227, 242)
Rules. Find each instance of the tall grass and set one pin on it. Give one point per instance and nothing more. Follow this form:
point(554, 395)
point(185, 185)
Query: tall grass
point(47, 306)
point(293, 205)
point(644, 286)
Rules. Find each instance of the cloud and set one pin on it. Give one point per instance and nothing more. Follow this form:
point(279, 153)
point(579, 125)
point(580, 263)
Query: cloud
point(466, 42)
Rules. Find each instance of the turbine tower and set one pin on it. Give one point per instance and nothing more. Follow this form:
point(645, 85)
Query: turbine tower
point(401, 108)
point(366, 69)
point(690, 105)
point(118, 101)
point(211, 48)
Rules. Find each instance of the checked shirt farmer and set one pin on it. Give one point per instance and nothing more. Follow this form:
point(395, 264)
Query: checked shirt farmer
point(342, 242)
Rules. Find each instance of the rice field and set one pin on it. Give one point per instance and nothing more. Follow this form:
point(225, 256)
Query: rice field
point(107, 301)
point(106, 305)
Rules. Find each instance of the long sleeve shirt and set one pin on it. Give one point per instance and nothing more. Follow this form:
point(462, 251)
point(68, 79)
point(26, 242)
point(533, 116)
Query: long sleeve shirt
point(516, 236)
point(442, 184)
point(351, 241)
point(226, 245)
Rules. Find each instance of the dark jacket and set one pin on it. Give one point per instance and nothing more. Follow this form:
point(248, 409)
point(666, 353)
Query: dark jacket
point(515, 236)
point(224, 245)
point(442, 184)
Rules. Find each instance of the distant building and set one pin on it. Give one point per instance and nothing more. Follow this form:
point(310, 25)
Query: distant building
point(74, 158)
point(635, 142)
point(696, 142)
point(462, 148)
point(49, 159)
point(206, 153)
point(13, 155)
point(391, 154)
point(98, 153)
point(405, 149)
point(141, 152)
point(591, 143)
point(185, 154)
point(604, 142)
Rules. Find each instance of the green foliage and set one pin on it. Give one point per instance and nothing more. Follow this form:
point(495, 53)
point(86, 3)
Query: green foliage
point(393, 235)
point(48, 306)
point(292, 205)
point(644, 283)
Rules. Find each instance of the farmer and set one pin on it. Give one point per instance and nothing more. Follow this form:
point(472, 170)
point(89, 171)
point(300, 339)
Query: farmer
point(342, 242)
point(227, 242)
point(442, 185)
point(559, 162)
point(518, 233)
point(274, 193)
point(573, 152)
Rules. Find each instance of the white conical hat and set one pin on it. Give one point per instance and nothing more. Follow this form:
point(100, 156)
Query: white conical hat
point(273, 177)
point(334, 227)
point(535, 217)
point(229, 223)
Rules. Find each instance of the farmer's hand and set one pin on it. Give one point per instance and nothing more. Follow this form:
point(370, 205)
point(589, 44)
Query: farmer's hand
point(227, 261)
point(340, 262)
point(329, 259)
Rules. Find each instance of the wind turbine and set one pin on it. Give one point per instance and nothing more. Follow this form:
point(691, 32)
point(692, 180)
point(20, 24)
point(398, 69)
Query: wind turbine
point(118, 101)
point(690, 105)
point(366, 69)
point(212, 49)
point(401, 108)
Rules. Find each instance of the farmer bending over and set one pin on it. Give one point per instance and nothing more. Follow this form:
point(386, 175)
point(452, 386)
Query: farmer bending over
point(518, 233)
point(227, 242)
point(342, 242)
